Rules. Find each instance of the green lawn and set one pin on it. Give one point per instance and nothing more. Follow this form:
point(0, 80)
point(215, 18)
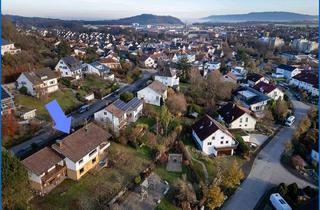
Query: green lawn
point(66, 99)
point(183, 86)
point(104, 185)
point(96, 84)
point(150, 121)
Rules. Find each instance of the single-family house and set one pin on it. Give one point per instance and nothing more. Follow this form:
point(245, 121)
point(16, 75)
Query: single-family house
point(254, 78)
point(168, 77)
point(8, 48)
point(111, 61)
point(230, 77)
point(38, 83)
point(287, 71)
point(155, 93)
point(307, 81)
point(239, 72)
point(100, 70)
point(147, 61)
point(120, 113)
point(251, 98)
point(213, 138)
point(7, 102)
point(69, 66)
point(270, 90)
point(212, 66)
point(237, 117)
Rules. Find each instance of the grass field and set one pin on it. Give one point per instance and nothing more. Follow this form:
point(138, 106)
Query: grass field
point(66, 99)
point(96, 186)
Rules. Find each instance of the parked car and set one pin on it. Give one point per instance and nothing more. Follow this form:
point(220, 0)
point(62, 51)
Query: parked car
point(289, 122)
point(84, 108)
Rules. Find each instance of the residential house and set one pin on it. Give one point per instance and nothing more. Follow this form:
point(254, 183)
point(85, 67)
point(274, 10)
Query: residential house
point(100, 70)
point(168, 77)
point(69, 66)
point(270, 90)
point(237, 117)
point(189, 57)
point(251, 98)
point(287, 71)
point(38, 83)
point(230, 77)
point(212, 137)
point(120, 113)
point(26, 113)
point(111, 61)
point(306, 81)
point(212, 66)
point(155, 93)
point(8, 48)
point(7, 102)
point(147, 61)
point(253, 79)
point(239, 72)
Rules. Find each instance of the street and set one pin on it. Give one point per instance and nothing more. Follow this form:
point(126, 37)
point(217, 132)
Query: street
point(48, 134)
point(267, 170)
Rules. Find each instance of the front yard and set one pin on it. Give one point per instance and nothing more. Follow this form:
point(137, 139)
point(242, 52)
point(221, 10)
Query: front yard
point(65, 98)
point(97, 188)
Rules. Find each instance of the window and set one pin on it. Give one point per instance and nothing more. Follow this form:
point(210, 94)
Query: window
point(94, 160)
point(105, 113)
point(222, 137)
point(209, 143)
point(80, 161)
point(240, 120)
point(239, 125)
point(247, 119)
point(91, 153)
point(221, 142)
point(227, 142)
point(245, 125)
point(213, 137)
point(81, 170)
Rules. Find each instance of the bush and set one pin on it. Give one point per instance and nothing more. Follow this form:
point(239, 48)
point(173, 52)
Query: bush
point(243, 148)
point(126, 96)
point(293, 191)
point(137, 179)
point(65, 82)
point(23, 90)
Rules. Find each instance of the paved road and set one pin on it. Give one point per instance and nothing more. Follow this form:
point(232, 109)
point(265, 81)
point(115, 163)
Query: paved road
point(267, 170)
point(48, 133)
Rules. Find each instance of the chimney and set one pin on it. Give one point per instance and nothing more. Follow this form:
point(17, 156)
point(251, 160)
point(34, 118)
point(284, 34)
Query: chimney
point(59, 142)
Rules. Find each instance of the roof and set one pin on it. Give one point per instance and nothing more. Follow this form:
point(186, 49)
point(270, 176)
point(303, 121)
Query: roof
point(5, 42)
point(167, 72)
point(81, 142)
point(158, 87)
point(100, 67)
point(307, 77)
point(230, 112)
point(38, 76)
point(254, 77)
point(5, 93)
point(253, 96)
point(72, 63)
point(132, 104)
point(42, 160)
point(286, 67)
point(264, 87)
point(206, 126)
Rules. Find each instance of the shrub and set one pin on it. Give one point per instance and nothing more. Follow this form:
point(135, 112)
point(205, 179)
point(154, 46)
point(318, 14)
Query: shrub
point(23, 90)
point(126, 96)
point(243, 148)
point(137, 179)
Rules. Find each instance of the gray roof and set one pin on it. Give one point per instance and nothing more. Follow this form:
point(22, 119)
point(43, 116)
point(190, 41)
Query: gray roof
point(132, 104)
point(37, 77)
point(5, 94)
point(101, 68)
point(72, 63)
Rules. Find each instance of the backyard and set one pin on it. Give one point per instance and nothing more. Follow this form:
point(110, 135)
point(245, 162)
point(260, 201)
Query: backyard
point(97, 188)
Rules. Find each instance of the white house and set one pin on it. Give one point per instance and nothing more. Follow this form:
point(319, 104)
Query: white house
point(8, 48)
point(38, 82)
point(147, 61)
point(100, 70)
point(69, 66)
point(306, 81)
point(168, 77)
point(236, 117)
point(155, 93)
point(189, 57)
point(253, 79)
point(270, 90)
point(120, 113)
point(212, 137)
point(239, 72)
point(287, 71)
point(212, 66)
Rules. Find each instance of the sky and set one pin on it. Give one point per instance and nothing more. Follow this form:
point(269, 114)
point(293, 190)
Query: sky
point(184, 9)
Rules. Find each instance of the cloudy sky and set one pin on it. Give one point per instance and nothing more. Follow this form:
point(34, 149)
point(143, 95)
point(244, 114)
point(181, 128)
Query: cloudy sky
point(185, 9)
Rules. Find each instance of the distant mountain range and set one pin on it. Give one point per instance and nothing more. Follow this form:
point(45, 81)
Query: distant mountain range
point(144, 19)
point(260, 17)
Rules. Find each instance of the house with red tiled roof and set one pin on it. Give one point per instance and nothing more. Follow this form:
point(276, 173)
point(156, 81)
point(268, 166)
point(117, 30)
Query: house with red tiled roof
point(306, 80)
point(270, 90)
point(212, 137)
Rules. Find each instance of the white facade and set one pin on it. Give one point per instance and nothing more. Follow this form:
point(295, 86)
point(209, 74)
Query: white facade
point(306, 86)
point(168, 81)
point(287, 74)
point(66, 72)
point(149, 62)
point(276, 94)
point(245, 122)
point(211, 66)
point(218, 139)
point(151, 97)
point(9, 49)
point(104, 116)
point(262, 79)
point(49, 86)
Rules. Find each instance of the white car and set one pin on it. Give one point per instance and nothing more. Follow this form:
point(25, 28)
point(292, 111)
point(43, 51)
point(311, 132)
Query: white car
point(290, 121)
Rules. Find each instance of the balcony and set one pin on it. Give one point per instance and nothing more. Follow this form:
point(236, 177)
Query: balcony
point(51, 179)
point(234, 145)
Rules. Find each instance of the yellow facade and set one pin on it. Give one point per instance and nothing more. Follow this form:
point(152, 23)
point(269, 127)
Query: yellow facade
point(75, 175)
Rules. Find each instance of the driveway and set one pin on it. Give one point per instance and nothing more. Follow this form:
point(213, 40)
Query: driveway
point(258, 138)
point(267, 170)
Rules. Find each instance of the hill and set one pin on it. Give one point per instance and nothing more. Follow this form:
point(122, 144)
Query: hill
point(261, 17)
